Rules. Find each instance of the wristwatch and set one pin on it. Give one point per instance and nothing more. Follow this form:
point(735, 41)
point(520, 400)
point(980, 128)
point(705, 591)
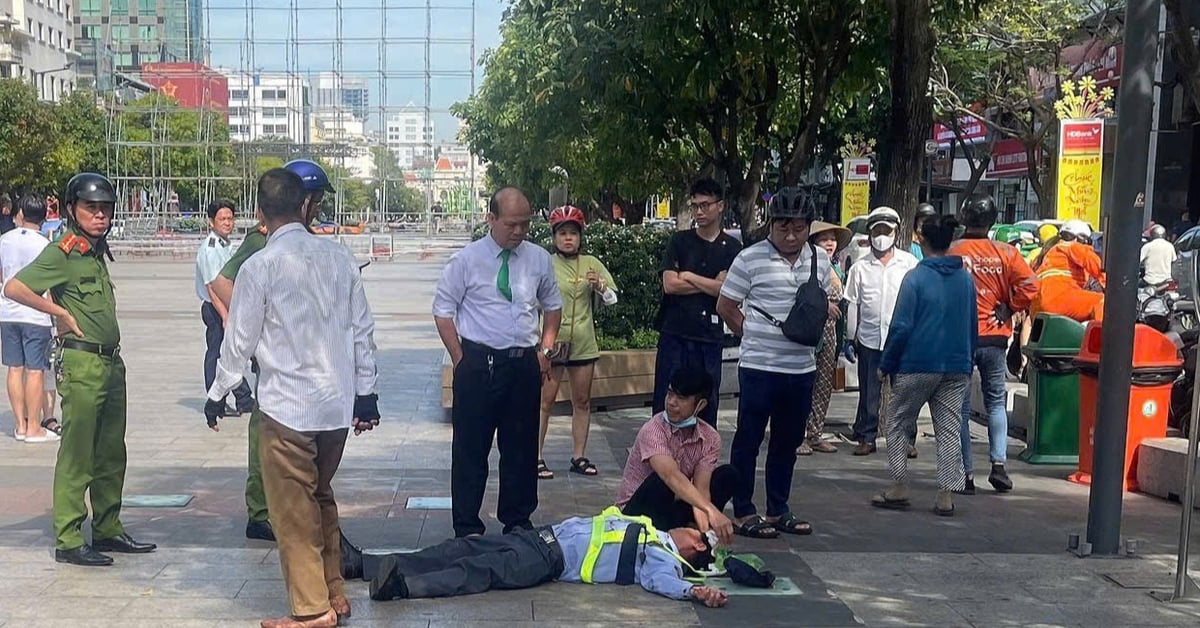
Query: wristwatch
point(546, 351)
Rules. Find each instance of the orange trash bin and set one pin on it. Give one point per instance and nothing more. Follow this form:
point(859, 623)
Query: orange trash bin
point(1156, 364)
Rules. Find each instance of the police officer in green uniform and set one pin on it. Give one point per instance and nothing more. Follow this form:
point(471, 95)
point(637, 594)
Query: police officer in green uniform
point(91, 456)
point(316, 182)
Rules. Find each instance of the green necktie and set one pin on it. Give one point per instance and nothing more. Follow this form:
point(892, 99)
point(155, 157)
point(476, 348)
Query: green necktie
point(502, 276)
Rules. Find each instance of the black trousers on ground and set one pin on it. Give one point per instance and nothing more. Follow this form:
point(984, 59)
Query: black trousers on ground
point(214, 335)
point(497, 395)
point(655, 499)
point(522, 559)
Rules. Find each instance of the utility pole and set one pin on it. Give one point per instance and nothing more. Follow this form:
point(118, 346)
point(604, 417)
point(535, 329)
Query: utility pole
point(1122, 243)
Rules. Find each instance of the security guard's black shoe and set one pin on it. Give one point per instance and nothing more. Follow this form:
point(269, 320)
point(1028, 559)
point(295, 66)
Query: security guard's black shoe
point(123, 544)
point(388, 583)
point(352, 560)
point(83, 556)
point(260, 530)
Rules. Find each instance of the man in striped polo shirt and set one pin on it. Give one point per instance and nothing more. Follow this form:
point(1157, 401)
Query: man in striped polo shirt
point(775, 375)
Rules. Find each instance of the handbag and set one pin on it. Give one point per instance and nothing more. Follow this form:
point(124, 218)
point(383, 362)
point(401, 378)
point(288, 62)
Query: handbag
point(805, 322)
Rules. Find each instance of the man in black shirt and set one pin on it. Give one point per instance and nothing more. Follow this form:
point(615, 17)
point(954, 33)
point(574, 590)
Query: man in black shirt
point(693, 268)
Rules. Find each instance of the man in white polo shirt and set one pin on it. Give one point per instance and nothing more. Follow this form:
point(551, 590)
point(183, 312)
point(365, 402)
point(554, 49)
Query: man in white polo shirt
point(775, 374)
point(25, 332)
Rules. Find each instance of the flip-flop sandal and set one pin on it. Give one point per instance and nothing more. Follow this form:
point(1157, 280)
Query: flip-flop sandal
point(544, 472)
point(52, 424)
point(756, 528)
point(583, 466)
point(882, 501)
point(949, 512)
point(789, 524)
point(804, 450)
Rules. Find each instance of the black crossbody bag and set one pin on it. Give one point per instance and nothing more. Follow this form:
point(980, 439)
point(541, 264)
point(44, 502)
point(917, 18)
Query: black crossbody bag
point(805, 322)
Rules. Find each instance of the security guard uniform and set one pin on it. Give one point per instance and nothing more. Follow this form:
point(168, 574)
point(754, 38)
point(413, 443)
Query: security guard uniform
point(91, 380)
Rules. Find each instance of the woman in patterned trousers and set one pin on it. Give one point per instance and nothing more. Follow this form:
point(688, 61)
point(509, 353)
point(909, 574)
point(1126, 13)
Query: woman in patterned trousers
point(832, 238)
point(927, 358)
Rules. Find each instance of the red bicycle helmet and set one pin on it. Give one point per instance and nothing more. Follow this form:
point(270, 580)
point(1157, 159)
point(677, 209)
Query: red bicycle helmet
point(566, 214)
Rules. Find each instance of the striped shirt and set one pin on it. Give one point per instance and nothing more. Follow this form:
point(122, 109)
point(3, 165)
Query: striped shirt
point(312, 334)
point(692, 448)
point(761, 277)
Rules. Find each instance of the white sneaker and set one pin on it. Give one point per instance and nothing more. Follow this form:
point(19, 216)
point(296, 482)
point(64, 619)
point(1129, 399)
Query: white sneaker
point(48, 437)
point(19, 436)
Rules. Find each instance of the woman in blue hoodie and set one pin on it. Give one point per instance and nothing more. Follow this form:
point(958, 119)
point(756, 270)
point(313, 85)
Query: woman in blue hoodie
point(928, 359)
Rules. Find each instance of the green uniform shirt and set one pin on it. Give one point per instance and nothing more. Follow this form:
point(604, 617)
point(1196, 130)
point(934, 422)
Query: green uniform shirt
point(253, 243)
point(578, 327)
point(79, 282)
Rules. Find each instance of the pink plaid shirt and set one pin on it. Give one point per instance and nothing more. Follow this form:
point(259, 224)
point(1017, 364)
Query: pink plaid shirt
point(693, 448)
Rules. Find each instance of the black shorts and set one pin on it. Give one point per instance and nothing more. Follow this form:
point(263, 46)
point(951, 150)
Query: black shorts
point(586, 362)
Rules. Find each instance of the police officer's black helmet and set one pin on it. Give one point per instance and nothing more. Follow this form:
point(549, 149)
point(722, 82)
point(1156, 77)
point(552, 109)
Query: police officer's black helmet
point(792, 202)
point(979, 211)
point(90, 186)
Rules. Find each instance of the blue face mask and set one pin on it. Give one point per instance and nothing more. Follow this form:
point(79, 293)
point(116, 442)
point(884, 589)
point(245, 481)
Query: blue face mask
point(688, 422)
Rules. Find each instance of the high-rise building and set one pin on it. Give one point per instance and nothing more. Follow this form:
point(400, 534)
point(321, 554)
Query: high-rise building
point(136, 32)
point(268, 106)
point(36, 44)
point(332, 91)
point(409, 134)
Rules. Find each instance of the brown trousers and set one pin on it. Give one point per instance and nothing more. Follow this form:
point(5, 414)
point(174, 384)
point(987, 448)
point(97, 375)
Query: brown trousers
point(297, 468)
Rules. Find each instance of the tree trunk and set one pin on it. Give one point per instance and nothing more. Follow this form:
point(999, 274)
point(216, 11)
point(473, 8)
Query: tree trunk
point(911, 117)
point(1186, 52)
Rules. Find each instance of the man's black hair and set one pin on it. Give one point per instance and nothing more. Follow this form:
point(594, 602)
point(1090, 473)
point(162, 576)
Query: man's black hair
point(691, 381)
point(281, 194)
point(938, 232)
point(706, 187)
point(494, 201)
point(216, 206)
point(32, 208)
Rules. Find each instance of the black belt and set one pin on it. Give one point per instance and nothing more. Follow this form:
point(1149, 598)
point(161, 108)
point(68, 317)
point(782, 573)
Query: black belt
point(107, 351)
point(514, 353)
point(627, 560)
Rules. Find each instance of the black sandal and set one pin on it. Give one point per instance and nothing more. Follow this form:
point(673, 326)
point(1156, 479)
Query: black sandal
point(52, 424)
point(789, 524)
point(756, 528)
point(544, 472)
point(883, 501)
point(583, 466)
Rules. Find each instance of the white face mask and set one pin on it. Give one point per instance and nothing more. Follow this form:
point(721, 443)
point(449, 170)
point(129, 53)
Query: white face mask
point(882, 242)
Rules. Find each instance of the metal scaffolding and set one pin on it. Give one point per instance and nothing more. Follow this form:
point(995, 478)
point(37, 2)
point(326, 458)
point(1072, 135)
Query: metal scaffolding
point(168, 165)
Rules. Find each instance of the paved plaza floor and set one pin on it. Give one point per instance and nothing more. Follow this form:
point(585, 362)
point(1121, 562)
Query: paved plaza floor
point(1000, 561)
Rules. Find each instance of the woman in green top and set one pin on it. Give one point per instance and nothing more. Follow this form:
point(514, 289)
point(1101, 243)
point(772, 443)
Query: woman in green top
point(583, 280)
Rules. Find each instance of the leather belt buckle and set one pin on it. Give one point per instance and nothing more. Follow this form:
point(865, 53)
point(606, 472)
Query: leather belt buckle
point(515, 353)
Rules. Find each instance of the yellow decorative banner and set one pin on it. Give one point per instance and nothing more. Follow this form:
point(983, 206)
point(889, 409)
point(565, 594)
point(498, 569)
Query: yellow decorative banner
point(856, 188)
point(1080, 167)
point(662, 210)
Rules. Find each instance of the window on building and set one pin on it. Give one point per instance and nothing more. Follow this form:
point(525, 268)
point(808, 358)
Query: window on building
point(150, 56)
point(147, 7)
point(120, 33)
point(119, 7)
point(123, 59)
point(148, 32)
point(90, 31)
point(275, 112)
point(237, 94)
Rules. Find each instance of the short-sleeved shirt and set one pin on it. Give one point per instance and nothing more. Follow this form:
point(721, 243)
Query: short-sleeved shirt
point(694, 449)
point(251, 244)
point(763, 278)
point(469, 293)
point(694, 316)
point(18, 248)
point(79, 282)
point(578, 326)
point(214, 253)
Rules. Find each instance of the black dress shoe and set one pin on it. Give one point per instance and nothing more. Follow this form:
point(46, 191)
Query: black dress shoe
point(83, 556)
point(123, 544)
point(389, 583)
point(260, 530)
point(352, 560)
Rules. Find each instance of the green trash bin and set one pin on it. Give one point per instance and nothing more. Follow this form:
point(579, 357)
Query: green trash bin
point(1053, 434)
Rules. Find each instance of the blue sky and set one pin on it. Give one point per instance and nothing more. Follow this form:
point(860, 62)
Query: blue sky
point(382, 45)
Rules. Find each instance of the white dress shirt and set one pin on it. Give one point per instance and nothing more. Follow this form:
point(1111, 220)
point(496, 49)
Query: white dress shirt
point(871, 290)
point(210, 259)
point(300, 309)
point(468, 294)
point(1157, 257)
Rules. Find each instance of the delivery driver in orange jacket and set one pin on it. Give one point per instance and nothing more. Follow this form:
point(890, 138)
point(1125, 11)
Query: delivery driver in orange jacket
point(1064, 270)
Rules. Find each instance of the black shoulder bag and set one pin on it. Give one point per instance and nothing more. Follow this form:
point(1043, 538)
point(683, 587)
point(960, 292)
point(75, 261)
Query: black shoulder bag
point(805, 323)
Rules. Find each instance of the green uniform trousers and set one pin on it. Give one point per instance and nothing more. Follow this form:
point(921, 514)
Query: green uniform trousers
point(91, 455)
point(256, 498)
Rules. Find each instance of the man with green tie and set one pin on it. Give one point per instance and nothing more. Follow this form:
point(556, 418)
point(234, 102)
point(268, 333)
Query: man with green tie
point(486, 310)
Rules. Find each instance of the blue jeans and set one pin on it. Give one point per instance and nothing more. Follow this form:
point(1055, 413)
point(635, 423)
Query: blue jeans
point(674, 352)
point(784, 400)
point(992, 372)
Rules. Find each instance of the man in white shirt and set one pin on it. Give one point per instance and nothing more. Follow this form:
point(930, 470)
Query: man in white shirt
point(215, 251)
point(315, 352)
point(1157, 257)
point(25, 332)
point(871, 290)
